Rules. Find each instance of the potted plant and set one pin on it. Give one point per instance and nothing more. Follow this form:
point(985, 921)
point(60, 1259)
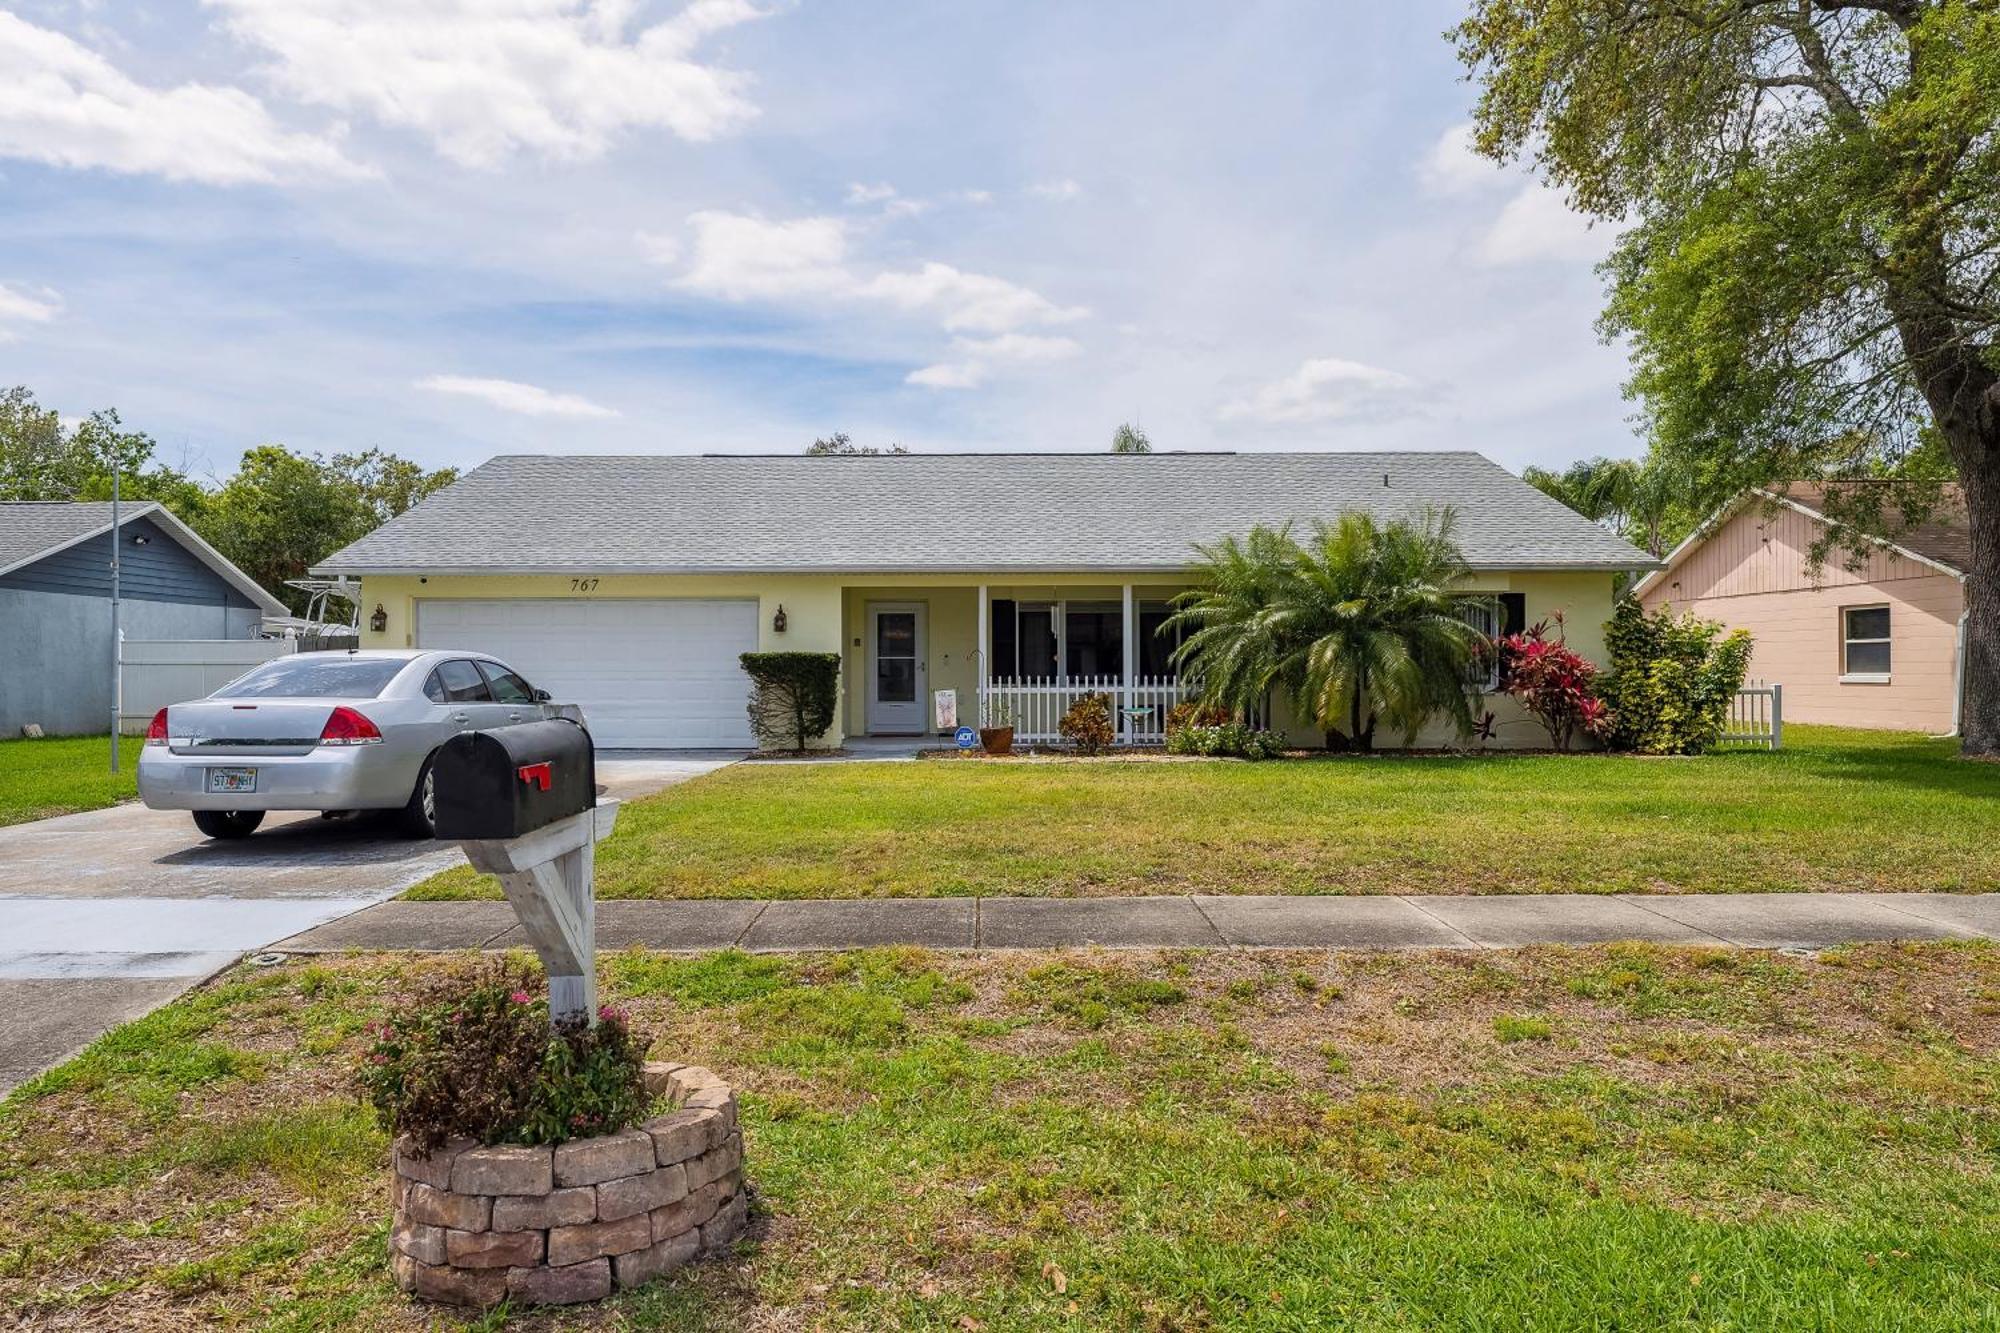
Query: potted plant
point(996, 735)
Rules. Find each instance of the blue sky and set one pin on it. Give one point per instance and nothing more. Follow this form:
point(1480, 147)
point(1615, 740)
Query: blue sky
point(732, 225)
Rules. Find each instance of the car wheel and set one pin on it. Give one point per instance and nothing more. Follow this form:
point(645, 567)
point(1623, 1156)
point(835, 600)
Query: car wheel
point(228, 823)
point(419, 818)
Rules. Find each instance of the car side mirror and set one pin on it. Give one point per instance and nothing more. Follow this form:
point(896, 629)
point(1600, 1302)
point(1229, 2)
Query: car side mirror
point(543, 696)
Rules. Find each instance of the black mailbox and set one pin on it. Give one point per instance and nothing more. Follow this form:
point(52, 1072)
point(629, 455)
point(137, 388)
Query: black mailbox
point(513, 780)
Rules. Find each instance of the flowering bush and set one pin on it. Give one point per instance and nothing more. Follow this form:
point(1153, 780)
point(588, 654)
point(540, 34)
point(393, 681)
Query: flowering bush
point(1230, 738)
point(1087, 724)
point(1194, 713)
point(1554, 683)
point(475, 1056)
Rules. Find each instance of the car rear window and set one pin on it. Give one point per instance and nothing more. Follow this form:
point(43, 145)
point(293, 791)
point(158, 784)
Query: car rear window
point(314, 678)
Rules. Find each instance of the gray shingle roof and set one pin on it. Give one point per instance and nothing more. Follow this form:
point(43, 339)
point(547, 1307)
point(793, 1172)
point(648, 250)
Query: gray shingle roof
point(947, 512)
point(30, 529)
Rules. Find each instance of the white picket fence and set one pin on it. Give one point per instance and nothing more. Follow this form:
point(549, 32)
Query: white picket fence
point(1756, 716)
point(1034, 707)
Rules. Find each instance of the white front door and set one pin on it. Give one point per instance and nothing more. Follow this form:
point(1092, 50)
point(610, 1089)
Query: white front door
point(896, 674)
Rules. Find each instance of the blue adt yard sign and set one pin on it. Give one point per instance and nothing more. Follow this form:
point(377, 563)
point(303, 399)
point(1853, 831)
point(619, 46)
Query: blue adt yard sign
point(966, 737)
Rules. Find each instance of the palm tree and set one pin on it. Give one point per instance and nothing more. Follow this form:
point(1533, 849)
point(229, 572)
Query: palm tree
point(1357, 626)
point(1649, 502)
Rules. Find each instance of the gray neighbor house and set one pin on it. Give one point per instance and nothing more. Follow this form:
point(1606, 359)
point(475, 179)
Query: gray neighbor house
point(55, 604)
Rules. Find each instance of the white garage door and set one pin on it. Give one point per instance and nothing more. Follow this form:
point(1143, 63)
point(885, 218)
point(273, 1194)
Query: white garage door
point(648, 673)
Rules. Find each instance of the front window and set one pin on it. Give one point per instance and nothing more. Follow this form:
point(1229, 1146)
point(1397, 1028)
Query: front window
point(1864, 652)
point(315, 677)
point(1094, 640)
point(1484, 614)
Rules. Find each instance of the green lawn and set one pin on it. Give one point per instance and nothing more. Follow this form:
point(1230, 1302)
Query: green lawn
point(62, 774)
point(1833, 810)
point(1627, 1137)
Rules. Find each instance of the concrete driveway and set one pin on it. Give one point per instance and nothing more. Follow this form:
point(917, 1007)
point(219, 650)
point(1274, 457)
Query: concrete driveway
point(105, 915)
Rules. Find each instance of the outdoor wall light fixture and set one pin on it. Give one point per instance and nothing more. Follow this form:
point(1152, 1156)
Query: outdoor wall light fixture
point(141, 539)
point(778, 621)
point(379, 622)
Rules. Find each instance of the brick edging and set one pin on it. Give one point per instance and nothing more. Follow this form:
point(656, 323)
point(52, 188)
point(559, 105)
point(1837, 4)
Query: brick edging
point(555, 1225)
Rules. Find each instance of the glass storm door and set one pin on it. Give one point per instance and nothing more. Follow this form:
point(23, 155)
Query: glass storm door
point(896, 698)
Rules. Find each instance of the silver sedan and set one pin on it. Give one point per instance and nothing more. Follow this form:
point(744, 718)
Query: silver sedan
point(334, 732)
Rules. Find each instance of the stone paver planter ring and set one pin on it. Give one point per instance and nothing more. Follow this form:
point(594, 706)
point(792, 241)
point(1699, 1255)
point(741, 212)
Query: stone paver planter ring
point(557, 1225)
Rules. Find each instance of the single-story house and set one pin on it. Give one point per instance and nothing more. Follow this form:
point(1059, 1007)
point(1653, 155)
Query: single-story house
point(1874, 642)
point(630, 585)
point(55, 603)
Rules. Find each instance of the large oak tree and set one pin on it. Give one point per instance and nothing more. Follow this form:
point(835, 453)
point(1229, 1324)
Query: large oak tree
point(1808, 270)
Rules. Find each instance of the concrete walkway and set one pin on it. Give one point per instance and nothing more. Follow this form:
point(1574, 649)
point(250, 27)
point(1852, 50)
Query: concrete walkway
point(1740, 920)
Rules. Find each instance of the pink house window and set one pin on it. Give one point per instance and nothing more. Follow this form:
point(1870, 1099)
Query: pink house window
point(1864, 648)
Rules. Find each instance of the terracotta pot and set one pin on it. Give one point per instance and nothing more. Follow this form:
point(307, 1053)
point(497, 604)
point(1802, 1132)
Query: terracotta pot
point(996, 740)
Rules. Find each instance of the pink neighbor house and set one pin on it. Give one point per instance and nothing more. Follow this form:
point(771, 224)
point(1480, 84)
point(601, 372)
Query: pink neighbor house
point(1878, 645)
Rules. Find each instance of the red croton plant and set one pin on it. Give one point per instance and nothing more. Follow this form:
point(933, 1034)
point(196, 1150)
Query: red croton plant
point(1553, 681)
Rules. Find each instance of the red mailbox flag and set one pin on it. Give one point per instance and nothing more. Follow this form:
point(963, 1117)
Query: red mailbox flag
point(535, 775)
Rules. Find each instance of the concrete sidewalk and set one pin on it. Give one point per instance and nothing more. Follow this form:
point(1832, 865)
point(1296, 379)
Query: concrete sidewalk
point(1740, 920)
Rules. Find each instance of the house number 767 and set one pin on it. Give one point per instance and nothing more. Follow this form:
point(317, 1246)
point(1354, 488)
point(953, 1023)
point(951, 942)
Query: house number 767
point(583, 585)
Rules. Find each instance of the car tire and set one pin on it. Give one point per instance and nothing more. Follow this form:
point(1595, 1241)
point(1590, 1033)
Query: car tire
point(418, 817)
point(228, 823)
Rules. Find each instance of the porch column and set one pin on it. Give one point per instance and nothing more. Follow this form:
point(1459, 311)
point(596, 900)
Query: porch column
point(1129, 640)
point(985, 651)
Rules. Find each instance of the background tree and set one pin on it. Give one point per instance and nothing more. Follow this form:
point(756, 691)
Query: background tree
point(1129, 439)
point(281, 513)
point(838, 445)
point(1357, 626)
point(1809, 274)
point(1649, 502)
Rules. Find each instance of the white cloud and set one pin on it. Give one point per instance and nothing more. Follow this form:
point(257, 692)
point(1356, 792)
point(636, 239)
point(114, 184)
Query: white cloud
point(1452, 167)
point(528, 400)
point(860, 194)
point(18, 305)
point(63, 104)
point(484, 80)
point(1328, 389)
point(1064, 188)
point(1537, 225)
point(967, 300)
point(742, 257)
point(973, 360)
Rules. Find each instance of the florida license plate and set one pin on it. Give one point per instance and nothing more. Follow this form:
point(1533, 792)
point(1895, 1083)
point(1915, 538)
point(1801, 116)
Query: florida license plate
point(232, 781)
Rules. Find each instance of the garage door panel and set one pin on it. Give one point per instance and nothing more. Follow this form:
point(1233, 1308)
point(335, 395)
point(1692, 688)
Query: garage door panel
point(659, 672)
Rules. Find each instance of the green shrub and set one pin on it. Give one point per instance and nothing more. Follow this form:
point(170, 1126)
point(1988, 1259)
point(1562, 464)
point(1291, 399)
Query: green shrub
point(1671, 679)
point(1232, 739)
point(1087, 724)
point(793, 698)
point(475, 1056)
point(1194, 713)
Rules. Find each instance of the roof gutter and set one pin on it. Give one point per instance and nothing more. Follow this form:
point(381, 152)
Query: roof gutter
point(568, 571)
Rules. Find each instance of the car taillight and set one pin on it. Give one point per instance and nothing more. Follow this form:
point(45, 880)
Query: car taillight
point(156, 732)
point(344, 726)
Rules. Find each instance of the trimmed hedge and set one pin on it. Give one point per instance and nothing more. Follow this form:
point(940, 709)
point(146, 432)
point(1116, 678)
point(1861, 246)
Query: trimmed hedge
point(794, 697)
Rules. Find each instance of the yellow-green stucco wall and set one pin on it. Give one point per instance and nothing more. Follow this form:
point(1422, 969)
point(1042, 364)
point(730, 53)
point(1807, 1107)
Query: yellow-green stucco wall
point(828, 613)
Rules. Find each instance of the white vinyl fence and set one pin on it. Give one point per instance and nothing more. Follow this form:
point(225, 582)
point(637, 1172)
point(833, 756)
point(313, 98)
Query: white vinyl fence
point(1756, 716)
point(1034, 706)
point(156, 672)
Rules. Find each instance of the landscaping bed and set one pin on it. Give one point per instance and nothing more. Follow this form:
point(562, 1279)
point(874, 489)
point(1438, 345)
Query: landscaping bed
point(59, 775)
point(1833, 810)
point(1627, 1136)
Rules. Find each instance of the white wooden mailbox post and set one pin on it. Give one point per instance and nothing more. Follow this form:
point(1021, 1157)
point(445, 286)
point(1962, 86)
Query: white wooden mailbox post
point(548, 876)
